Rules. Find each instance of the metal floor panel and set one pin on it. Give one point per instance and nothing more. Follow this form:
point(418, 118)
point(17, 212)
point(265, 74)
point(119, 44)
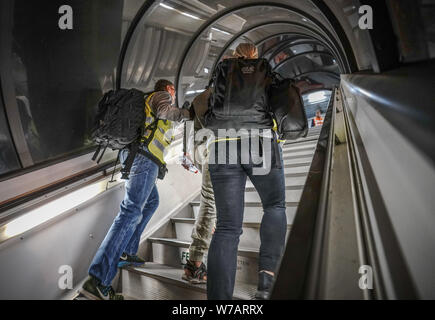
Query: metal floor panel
point(170, 286)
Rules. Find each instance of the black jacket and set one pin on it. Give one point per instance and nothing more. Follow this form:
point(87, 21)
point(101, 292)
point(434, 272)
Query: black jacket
point(240, 95)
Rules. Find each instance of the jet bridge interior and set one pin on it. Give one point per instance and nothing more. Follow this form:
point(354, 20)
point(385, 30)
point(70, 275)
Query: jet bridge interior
point(359, 190)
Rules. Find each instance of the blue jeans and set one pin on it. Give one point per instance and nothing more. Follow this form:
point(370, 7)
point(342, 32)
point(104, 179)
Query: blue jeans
point(229, 183)
point(140, 202)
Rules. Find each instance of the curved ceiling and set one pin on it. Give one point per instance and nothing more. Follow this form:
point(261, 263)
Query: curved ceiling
point(182, 40)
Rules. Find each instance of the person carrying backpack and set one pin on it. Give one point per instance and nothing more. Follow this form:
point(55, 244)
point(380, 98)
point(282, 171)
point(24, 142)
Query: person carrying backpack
point(120, 246)
point(240, 102)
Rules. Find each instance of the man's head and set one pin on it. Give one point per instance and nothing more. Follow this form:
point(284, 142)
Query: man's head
point(246, 51)
point(165, 85)
point(318, 113)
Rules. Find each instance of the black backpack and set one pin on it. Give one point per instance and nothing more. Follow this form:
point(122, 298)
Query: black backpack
point(119, 122)
point(239, 99)
point(288, 109)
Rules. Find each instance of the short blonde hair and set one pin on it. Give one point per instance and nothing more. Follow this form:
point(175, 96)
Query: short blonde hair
point(246, 51)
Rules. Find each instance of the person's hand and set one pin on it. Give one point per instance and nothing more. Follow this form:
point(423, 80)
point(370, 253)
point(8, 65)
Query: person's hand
point(187, 163)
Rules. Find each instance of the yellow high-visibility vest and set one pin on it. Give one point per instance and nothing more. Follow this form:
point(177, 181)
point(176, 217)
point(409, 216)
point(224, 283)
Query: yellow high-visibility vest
point(318, 121)
point(156, 135)
point(275, 128)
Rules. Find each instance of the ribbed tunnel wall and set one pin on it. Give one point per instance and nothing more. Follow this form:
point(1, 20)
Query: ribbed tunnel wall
point(52, 80)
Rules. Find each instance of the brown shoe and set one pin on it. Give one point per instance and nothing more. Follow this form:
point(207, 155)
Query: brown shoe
point(194, 274)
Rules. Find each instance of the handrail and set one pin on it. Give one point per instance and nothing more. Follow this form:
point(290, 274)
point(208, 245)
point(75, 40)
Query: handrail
point(293, 279)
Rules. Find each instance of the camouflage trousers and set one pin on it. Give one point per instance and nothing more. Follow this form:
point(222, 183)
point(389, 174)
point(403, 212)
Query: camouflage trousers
point(206, 219)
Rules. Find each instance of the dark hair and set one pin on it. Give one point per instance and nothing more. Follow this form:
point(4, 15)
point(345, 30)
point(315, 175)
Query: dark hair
point(162, 84)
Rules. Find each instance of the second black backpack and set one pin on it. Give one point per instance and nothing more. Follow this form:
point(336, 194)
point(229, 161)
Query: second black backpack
point(288, 109)
point(120, 119)
point(239, 98)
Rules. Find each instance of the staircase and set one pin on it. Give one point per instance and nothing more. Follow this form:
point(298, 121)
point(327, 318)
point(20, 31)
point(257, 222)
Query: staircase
point(160, 279)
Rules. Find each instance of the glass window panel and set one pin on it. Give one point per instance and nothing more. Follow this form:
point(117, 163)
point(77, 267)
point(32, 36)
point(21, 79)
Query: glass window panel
point(8, 157)
point(414, 25)
point(222, 33)
point(60, 75)
point(347, 14)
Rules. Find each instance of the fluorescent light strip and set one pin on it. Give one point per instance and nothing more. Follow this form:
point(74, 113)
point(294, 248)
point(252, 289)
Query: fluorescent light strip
point(317, 97)
point(188, 93)
point(180, 12)
point(166, 6)
point(52, 209)
point(219, 30)
point(190, 16)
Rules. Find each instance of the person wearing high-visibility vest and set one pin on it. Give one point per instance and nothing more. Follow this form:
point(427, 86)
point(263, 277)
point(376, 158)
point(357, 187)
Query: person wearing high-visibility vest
point(318, 120)
point(120, 246)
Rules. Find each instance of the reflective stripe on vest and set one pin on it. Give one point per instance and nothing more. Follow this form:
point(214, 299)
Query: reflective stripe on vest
point(156, 132)
point(318, 121)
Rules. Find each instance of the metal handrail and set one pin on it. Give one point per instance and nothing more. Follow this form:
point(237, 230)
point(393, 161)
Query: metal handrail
point(296, 274)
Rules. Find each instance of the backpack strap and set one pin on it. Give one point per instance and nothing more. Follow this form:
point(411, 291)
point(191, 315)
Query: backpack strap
point(96, 153)
point(125, 171)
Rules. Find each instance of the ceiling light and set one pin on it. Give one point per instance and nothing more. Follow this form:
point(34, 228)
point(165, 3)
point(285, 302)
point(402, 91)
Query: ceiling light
point(219, 30)
point(317, 97)
point(180, 12)
point(190, 16)
point(166, 6)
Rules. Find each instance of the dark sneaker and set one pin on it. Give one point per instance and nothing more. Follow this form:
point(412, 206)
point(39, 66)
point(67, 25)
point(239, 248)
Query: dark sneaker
point(193, 274)
point(127, 260)
point(265, 284)
point(93, 290)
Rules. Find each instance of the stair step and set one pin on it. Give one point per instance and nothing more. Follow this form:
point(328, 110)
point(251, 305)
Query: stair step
point(308, 140)
point(249, 239)
point(301, 144)
point(305, 149)
point(161, 282)
point(174, 252)
point(252, 204)
point(297, 160)
point(192, 221)
point(289, 181)
point(296, 170)
point(297, 165)
point(300, 187)
point(309, 152)
point(253, 211)
point(291, 196)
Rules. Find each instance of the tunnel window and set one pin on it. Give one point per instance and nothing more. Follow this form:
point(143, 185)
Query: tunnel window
point(347, 13)
point(55, 77)
point(414, 25)
point(316, 101)
point(316, 68)
point(251, 24)
point(8, 157)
